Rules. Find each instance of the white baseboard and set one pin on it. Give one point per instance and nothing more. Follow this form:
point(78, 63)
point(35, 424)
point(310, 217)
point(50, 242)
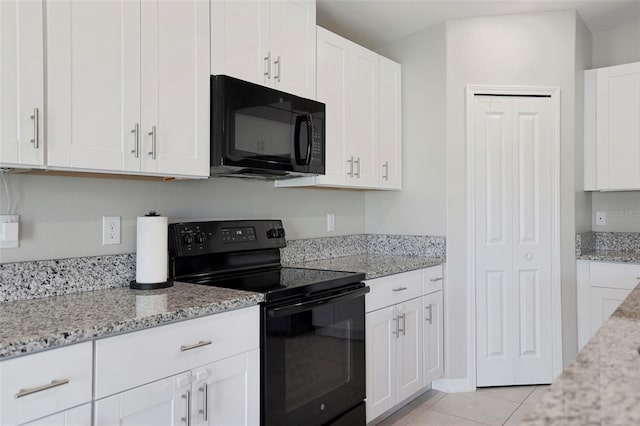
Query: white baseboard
point(452, 385)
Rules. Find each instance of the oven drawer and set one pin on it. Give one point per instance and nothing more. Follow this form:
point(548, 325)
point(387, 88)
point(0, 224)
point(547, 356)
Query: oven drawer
point(387, 291)
point(137, 358)
point(34, 386)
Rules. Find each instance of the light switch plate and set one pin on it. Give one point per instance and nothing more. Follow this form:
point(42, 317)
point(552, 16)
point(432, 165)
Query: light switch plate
point(331, 222)
point(9, 231)
point(601, 218)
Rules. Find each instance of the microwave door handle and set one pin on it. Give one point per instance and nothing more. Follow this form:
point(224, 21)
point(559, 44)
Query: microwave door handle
point(309, 139)
point(296, 139)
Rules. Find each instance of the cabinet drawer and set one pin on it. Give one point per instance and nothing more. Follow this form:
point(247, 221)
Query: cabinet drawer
point(133, 359)
point(433, 279)
point(387, 291)
point(44, 383)
point(614, 275)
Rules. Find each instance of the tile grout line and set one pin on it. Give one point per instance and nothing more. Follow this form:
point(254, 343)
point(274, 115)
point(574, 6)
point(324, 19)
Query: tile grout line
point(520, 405)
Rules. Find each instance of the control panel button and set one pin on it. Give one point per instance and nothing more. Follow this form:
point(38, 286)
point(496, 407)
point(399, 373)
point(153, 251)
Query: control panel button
point(275, 233)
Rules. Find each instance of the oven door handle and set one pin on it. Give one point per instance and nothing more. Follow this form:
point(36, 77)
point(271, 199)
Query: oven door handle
point(305, 306)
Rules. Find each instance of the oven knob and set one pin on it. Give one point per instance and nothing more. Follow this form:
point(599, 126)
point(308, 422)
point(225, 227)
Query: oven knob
point(275, 233)
point(187, 239)
point(200, 238)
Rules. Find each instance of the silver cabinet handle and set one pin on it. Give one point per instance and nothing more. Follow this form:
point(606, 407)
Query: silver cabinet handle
point(399, 289)
point(433, 280)
point(350, 172)
point(136, 148)
point(430, 308)
point(358, 163)
point(385, 166)
point(278, 62)
point(205, 401)
point(404, 324)
point(268, 67)
point(36, 128)
point(200, 344)
point(153, 134)
point(187, 418)
point(29, 391)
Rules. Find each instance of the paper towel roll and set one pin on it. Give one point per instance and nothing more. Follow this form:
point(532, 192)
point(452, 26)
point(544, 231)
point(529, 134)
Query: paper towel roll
point(151, 252)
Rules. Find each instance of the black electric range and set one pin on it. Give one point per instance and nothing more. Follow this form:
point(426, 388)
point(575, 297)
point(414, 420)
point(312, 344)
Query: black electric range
point(312, 321)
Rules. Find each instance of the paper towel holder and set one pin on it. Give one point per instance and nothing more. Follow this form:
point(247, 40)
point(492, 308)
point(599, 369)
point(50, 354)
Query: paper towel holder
point(135, 285)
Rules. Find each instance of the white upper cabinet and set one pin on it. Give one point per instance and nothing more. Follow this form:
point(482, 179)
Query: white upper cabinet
point(128, 86)
point(390, 124)
point(21, 83)
point(267, 42)
point(363, 139)
point(612, 97)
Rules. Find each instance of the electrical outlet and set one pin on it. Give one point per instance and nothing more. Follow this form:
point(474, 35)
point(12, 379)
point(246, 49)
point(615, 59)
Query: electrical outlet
point(331, 222)
point(601, 218)
point(110, 230)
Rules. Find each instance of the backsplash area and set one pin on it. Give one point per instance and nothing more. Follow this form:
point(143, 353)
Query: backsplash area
point(44, 278)
point(619, 241)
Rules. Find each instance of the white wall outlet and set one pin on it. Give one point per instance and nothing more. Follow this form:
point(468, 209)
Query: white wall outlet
point(9, 231)
point(601, 218)
point(331, 222)
point(110, 230)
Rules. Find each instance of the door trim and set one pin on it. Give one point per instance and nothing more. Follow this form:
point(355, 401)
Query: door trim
point(472, 90)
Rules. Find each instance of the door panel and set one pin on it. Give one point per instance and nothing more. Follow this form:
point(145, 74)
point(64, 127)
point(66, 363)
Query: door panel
point(433, 337)
point(390, 124)
point(381, 361)
point(21, 81)
point(513, 240)
point(410, 348)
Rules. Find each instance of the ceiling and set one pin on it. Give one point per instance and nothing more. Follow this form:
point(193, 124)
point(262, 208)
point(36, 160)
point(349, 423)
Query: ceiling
point(373, 23)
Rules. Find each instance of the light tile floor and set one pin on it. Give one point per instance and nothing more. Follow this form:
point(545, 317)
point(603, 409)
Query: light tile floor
point(487, 406)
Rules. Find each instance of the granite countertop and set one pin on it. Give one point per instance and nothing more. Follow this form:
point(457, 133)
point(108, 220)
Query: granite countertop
point(602, 385)
point(38, 324)
point(372, 265)
point(611, 256)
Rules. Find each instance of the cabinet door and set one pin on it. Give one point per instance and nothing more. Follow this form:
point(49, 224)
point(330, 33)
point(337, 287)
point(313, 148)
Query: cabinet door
point(79, 416)
point(21, 82)
point(390, 124)
point(604, 301)
point(175, 87)
point(227, 392)
point(161, 403)
point(409, 348)
point(240, 40)
point(93, 90)
point(361, 106)
point(433, 353)
point(618, 127)
point(293, 46)
point(381, 343)
point(332, 86)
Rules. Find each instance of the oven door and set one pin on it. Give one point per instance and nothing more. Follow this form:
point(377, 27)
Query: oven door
point(313, 359)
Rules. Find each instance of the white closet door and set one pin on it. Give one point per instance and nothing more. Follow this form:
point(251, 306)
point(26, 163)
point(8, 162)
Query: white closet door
point(513, 240)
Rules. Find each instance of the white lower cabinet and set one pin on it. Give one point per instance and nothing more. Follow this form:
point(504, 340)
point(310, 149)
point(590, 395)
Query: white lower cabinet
point(78, 416)
point(204, 371)
point(403, 344)
point(225, 392)
point(602, 286)
point(47, 386)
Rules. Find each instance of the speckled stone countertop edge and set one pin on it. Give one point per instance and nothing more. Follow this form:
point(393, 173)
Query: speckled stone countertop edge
point(614, 256)
point(70, 335)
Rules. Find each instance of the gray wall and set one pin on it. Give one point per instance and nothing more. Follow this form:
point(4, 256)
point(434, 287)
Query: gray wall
point(526, 49)
point(619, 45)
point(420, 208)
point(62, 216)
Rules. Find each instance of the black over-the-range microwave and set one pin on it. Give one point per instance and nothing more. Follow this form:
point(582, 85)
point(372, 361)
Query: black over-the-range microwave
point(260, 132)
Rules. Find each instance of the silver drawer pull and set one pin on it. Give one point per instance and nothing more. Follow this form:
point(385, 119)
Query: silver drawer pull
point(53, 384)
point(433, 280)
point(430, 308)
point(399, 289)
point(200, 344)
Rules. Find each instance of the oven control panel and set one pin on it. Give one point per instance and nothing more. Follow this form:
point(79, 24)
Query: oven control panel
point(206, 237)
